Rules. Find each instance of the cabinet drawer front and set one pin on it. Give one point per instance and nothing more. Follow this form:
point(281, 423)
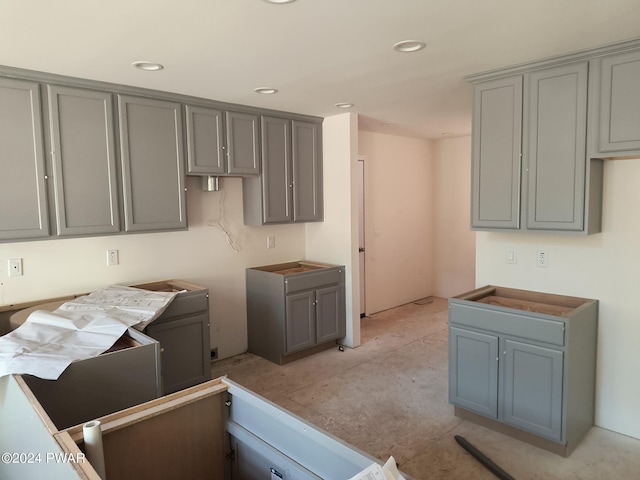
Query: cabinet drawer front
point(185, 305)
point(508, 323)
point(305, 281)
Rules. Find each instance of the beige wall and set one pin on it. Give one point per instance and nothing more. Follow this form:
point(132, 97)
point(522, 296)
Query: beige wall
point(399, 219)
point(454, 242)
point(604, 266)
point(200, 255)
point(335, 240)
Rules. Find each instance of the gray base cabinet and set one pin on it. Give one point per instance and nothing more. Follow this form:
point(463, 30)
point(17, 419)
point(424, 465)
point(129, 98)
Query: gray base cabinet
point(218, 430)
point(183, 333)
point(120, 378)
point(294, 307)
point(526, 360)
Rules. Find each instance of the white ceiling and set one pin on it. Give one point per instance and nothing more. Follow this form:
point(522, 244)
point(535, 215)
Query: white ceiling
point(315, 52)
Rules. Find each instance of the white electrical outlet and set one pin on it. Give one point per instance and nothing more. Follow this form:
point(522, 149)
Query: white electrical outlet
point(112, 258)
point(542, 258)
point(15, 267)
point(511, 255)
point(271, 241)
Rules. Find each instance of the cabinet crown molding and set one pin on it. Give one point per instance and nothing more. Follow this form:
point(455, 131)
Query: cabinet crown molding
point(555, 60)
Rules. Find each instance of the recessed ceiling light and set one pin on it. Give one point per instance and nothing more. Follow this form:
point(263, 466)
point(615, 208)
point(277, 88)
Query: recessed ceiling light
point(265, 90)
point(148, 66)
point(277, 2)
point(344, 105)
point(408, 46)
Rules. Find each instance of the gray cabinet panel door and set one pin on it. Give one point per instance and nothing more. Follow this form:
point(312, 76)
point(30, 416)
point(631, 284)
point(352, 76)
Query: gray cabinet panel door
point(557, 147)
point(620, 103)
point(330, 314)
point(300, 319)
point(185, 351)
point(243, 152)
point(84, 161)
point(205, 140)
point(152, 164)
point(496, 159)
point(23, 182)
point(307, 172)
point(533, 389)
point(276, 173)
point(473, 371)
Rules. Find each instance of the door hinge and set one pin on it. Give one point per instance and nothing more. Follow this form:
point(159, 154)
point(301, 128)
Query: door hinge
point(230, 455)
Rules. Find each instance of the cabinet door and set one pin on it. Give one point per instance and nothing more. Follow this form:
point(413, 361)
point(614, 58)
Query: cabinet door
point(85, 175)
point(307, 171)
point(276, 170)
point(533, 388)
point(496, 154)
point(243, 153)
point(557, 112)
point(330, 314)
point(473, 371)
point(23, 180)
point(185, 357)
point(205, 140)
point(620, 104)
point(300, 320)
point(152, 164)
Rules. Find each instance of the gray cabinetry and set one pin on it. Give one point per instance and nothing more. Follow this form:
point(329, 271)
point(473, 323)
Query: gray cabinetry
point(243, 146)
point(183, 333)
point(152, 164)
point(529, 159)
point(525, 361)
point(85, 177)
point(290, 187)
point(618, 100)
point(23, 191)
point(473, 361)
point(556, 154)
point(496, 159)
point(124, 376)
point(221, 143)
point(294, 308)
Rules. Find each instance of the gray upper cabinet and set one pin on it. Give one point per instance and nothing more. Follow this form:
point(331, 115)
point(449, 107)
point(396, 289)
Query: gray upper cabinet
point(243, 146)
point(290, 187)
point(307, 171)
point(618, 134)
point(23, 192)
point(205, 140)
point(152, 164)
point(529, 152)
point(556, 128)
point(496, 159)
point(85, 175)
point(276, 170)
point(211, 152)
